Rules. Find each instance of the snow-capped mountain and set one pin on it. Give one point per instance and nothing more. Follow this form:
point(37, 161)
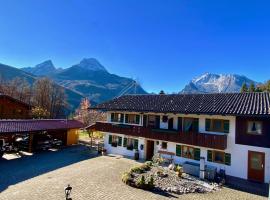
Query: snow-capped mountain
point(43, 69)
point(217, 83)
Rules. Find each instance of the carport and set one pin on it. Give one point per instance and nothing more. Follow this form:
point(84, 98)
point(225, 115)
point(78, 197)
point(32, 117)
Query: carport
point(65, 130)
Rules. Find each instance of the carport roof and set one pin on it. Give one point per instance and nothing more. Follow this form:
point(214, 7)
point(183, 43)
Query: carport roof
point(33, 125)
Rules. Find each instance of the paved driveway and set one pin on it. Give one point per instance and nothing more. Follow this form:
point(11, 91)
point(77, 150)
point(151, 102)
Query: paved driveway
point(44, 176)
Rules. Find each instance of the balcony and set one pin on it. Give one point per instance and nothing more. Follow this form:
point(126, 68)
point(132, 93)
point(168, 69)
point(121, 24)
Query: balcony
point(191, 138)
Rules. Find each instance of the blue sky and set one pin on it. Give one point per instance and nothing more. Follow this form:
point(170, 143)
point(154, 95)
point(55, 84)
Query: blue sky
point(163, 44)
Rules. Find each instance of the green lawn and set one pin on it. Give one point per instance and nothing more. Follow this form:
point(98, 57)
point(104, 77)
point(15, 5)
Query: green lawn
point(96, 134)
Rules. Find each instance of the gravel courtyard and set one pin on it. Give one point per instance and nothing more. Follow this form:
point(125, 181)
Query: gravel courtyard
point(44, 176)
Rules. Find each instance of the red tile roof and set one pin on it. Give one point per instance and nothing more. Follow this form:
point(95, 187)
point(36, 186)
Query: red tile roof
point(17, 126)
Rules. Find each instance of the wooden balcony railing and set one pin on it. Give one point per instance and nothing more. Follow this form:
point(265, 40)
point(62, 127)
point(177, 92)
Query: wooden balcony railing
point(191, 138)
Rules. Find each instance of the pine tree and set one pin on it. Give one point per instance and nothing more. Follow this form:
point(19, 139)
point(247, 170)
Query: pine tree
point(252, 87)
point(244, 88)
point(161, 92)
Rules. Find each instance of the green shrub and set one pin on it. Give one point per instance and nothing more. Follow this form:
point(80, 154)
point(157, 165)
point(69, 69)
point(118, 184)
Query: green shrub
point(151, 182)
point(140, 183)
point(179, 170)
point(137, 170)
point(145, 167)
point(157, 159)
point(149, 163)
point(126, 177)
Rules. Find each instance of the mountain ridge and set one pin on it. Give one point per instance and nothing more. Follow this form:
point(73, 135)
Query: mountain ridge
point(217, 83)
point(8, 73)
point(89, 78)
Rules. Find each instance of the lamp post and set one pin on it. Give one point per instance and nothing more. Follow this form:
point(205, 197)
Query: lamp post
point(68, 191)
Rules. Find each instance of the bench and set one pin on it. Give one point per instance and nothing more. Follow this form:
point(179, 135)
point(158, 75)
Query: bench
point(171, 154)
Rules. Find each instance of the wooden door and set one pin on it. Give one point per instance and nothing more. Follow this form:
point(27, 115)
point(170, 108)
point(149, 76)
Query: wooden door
point(256, 165)
point(150, 150)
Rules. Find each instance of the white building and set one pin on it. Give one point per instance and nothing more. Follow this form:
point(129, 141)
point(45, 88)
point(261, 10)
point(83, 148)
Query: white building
point(231, 131)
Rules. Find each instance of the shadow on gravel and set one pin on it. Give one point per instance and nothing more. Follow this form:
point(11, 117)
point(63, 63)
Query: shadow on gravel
point(243, 185)
point(24, 168)
point(164, 194)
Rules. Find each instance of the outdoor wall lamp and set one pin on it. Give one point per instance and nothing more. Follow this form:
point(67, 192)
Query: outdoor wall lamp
point(68, 192)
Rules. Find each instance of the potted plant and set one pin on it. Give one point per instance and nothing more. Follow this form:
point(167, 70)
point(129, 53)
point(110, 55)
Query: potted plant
point(104, 152)
point(130, 147)
point(136, 155)
point(114, 144)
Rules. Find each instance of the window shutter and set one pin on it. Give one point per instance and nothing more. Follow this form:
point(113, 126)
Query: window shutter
point(144, 120)
point(137, 119)
point(196, 125)
point(180, 124)
point(178, 150)
point(110, 139)
point(157, 125)
point(197, 154)
point(207, 124)
point(209, 155)
point(112, 116)
point(136, 144)
point(226, 126)
point(126, 118)
point(122, 118)
point(119, 141)
point(227, 159)
point(125, 142)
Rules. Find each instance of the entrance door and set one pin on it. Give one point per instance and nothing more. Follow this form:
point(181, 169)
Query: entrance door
point(256, 165)
point(150, 150)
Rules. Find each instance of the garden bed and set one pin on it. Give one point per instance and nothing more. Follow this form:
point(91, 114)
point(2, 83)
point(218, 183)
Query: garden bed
point(153, 176)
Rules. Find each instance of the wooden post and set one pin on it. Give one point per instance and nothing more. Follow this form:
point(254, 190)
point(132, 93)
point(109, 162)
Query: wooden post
point(202, 167)
point(30, 144)
point(91, 138)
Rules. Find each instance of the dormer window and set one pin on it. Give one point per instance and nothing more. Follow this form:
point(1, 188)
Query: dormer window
point(254, 127)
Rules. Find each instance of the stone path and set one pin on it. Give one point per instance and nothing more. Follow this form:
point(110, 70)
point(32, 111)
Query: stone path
point(44, 176)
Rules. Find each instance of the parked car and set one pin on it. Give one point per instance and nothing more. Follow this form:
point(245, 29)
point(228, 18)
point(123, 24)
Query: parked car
point(22, 142)
point(45, 142)
point(2, 149)
point(56, 142)
point(6, 147)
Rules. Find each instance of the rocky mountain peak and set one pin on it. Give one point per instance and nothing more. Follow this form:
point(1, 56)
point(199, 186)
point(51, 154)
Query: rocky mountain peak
point(217, 83)
point(91, 64)
point(43, 69)
point(46, 65)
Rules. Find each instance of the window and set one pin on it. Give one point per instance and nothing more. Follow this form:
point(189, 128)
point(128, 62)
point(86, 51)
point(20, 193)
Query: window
point(188, 152)
point(115, 140)
point(219, 157)
point(132, 119)
point(130, 143)
point(217, 125)
point(191, 124)
point(151, 121)
point(117, 117)
point(254, 127)
point(164, 145)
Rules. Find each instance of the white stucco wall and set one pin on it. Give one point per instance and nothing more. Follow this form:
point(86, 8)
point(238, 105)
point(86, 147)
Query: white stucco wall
point(239, 153)
point(120, 150)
